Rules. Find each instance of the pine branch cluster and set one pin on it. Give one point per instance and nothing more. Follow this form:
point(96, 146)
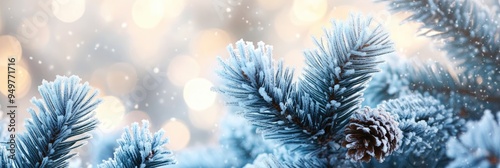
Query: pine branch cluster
point(64, 119)
point(308, 116)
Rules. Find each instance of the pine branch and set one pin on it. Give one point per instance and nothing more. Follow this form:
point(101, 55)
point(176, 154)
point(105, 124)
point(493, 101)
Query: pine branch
point(469, 31)
point(239, 144)
point(241, 139)
point(270, 161)
point(265, 92)
point(401, 78)
point(392, 82)
point(479, 146)
point(5, 161)
point(426, 125)
point(337, 72)
point(65, 116)
point(308, 119)
point(138, 148)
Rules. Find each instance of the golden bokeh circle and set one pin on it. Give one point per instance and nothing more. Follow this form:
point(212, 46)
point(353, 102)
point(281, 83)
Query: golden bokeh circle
point(68, 10)
point(10, 47)
point(178, 134)
point(110, 113)
point(121, 78)
point(181, 69)
point(22, 80)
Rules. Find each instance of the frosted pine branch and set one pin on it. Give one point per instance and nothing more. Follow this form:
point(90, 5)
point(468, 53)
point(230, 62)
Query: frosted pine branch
point(65, 116)
point(479, 146)
point(338, 70)
point(403, 77)
point(426, 125)
point(310, 118)
point(469, 30)
point(138, 149)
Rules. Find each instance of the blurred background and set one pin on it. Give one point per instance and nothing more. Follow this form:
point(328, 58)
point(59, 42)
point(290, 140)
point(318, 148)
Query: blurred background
point(156, 59)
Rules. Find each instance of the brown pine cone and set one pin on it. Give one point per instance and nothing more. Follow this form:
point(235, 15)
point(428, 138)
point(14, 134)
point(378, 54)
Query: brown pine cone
point(371, 133)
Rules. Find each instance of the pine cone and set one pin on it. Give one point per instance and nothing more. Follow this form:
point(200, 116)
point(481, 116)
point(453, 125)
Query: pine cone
point(371, 133)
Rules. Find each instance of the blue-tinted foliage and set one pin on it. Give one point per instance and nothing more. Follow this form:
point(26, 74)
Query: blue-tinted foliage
point(64, 118)
point(5, 162)
point(65, 115)
point(426, 125)
point(479, 146)
point(138, 149)
point(239, 144)
point(469, 30)
point(271, 161)
point(307, 117)
point(471, 35)
point(404, 77)
point(392, 82)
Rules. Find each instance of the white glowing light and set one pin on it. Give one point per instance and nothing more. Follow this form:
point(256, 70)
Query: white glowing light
point(68, 10)
point(181, 69)
point(177, 133)
point(110, 113)
point(308, 11)
point(197, 94)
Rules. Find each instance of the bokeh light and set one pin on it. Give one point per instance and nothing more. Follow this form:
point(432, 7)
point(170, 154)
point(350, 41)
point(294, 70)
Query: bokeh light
point(68, 10)
point(282, 25)
point(205, 119)
point(121, 78)
point(10, 47)
point(178, 134)
point(40, 39)
point(181, 69)
point(136, 116)
point(198, 94)
point(113, 44)
point(109, 12)
point(305, 12)
point(271, 5)
point(110, 113)
point(149, 13)
point(209, 44)
point(295, 59)
point(98, 80)
point(22, 80)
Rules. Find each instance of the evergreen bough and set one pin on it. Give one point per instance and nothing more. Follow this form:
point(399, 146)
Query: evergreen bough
point(308, 116)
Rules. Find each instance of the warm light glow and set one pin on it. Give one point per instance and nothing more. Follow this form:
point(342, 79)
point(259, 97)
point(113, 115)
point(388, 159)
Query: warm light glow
point(110, 12)
point(136, 116)
point(177, 133)
point(149, 13)
point(40, 40)
point(285, 29)
point(210, 44)
point(110, 113)
point(23, 80)
point(146, 53)
point(205, 119)
point(270, 5)
point(197, 94)
point(68, 10)
point(305, 12)
point(181, 69)
point(9, 48)
point(98, 80)
point(341, 12)
point(404, 36)
point(295, 59)
point(121, 78)
point(173, 8)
